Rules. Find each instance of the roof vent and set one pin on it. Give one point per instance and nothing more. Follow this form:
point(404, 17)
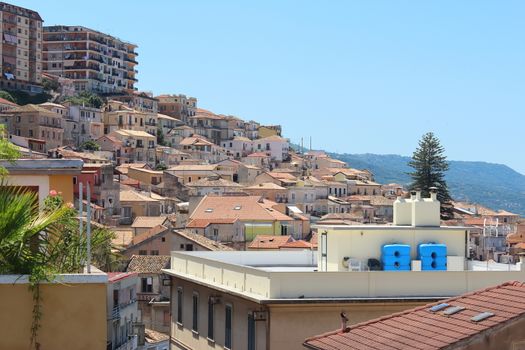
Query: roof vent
point(438, 307)
point(482, 316)
point(453, 310)
point(238, 207)
point(209, 210)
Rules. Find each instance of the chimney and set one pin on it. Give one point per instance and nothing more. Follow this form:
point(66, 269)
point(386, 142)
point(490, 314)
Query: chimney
point(433, 193)
point(344, 320)
point(418, 195)
point(413, 195)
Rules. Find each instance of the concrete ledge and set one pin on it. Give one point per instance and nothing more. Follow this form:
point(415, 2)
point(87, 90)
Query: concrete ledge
point(66, 278)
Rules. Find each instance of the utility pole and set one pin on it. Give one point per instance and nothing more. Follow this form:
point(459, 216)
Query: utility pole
point(88, 229)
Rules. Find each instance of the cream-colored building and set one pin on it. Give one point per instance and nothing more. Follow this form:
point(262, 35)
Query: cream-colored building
point(95, 61)
point(273, 300)
point(139, 146)
point(21, 48)
point(35, 122)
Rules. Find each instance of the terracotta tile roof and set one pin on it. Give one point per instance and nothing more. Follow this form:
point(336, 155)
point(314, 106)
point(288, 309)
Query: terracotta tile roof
point(117, 276)
point(133, 133)
point(7, 102)
point(266, 186)
point(203, 241)
point(244, 208)
point(124, 168)
point(154, 231)
point(194, 167)
point(282, 176)
point(300, 244)
point(258, 154)
point(134, 196)
point(148, 263)
point(203, 223)
point(148, 221)
point(195, 140)
point(213, 182)
point(31, 108)
point(420, 328)
point(273, 138)
point(269, 241)
point(476, 221)
point(505, 213)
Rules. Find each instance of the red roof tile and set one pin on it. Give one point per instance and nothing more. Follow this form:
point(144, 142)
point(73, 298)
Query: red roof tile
point(300, 244)
point(269, 241)
point(420, 328)
point(117, 276)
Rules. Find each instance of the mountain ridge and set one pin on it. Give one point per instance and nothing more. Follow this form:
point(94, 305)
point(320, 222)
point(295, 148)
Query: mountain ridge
point(496, 186)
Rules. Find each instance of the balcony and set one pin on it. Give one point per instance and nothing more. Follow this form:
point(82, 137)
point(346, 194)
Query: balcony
point(130, 60)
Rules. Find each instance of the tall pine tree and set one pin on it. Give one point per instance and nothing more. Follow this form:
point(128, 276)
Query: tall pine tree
point(430, 165)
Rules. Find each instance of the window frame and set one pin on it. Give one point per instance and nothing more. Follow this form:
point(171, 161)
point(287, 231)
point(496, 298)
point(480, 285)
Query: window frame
point(180, 308)
point(228, 332)
point(195, 312)
point(211, 320)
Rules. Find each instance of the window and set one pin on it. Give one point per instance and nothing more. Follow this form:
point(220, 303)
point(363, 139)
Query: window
point(228, 327)
point(154, 252)
point(211, 315)
point(163, 239)
point(189, 247)
point(195, 322)
point(179, 305)
point(74, 180)
point(251, 332)
point(147, 285)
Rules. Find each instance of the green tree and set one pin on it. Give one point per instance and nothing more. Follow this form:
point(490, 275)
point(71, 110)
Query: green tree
point(87, 99)
point(44, 242)
point(160, 137)
point(90, 146)
point(6, 95)
point(430, 164)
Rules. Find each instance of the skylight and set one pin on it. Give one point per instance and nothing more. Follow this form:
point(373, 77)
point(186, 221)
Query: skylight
point(209, 210)
point(438, 307)
point(482, 316)
point(238, 207)
point(452, 310)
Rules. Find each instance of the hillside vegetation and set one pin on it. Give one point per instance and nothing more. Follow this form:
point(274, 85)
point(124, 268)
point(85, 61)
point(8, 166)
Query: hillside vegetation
point(493, 185)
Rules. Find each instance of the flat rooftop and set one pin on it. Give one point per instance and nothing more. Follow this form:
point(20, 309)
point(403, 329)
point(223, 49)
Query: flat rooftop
point(279, 276)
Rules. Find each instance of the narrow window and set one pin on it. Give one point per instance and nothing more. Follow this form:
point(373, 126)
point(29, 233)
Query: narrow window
point(211, 314)
point(251, 332)
point(195, 324)
point(179, 305)
point(228, 327)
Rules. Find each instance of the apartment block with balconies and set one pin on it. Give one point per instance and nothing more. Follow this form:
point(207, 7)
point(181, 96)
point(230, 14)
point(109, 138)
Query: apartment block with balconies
point(95, 61)
point(21, 48)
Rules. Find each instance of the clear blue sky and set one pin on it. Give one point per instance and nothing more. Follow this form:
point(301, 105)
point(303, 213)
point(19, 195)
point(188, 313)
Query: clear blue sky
point(357, 76)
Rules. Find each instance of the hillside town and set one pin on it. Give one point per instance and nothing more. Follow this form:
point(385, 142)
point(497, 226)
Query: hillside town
point(220, 224)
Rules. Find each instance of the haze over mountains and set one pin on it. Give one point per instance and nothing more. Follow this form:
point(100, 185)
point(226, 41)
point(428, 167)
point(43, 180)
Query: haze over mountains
point(496, 186)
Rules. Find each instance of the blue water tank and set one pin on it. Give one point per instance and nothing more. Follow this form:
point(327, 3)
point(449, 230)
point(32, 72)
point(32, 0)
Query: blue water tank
point(391, 260)
point(396, 250)
point(396, 267)
point(434, 266)
point(433, 250)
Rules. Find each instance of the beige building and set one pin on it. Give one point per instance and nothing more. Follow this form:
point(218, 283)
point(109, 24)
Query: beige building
point(35, 122)
point(135, 146)
point(177, 106)
point(95, 61)
point(21, 48)
point(135, 204)
point(249, 299)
